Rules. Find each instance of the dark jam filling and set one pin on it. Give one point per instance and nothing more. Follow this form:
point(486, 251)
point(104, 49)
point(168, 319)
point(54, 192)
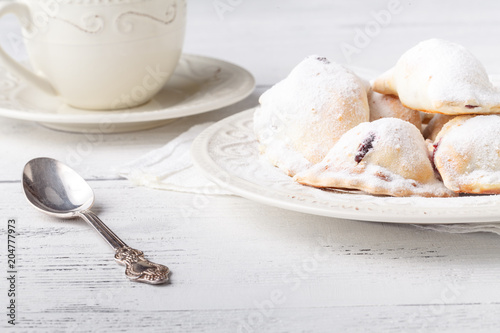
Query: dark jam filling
point(435, 148)
point(323, 60)
point(365, 147)
point(471, 106)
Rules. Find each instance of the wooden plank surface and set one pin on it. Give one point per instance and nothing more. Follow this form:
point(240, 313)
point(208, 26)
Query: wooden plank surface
point(290, 269)
point(239, 266)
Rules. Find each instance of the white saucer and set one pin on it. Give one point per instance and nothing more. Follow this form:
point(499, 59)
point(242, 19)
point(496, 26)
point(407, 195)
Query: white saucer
point(227, 153)
point(199, 84)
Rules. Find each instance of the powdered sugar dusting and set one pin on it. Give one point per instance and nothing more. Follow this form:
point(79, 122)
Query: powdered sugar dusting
point(397, 163)
point(301, 117)
point(441, 76)
point(468, 154)
point(455, 74)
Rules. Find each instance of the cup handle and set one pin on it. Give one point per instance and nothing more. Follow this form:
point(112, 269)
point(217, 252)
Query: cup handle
point(22, 12)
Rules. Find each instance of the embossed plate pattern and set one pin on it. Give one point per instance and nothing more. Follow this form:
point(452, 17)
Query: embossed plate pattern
point(199, 84)
point(227, 153)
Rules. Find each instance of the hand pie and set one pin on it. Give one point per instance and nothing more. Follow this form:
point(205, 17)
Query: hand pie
point(301, 117)
point(438, 76)
point(467, 154)
point(384, 157)
point(389, 106)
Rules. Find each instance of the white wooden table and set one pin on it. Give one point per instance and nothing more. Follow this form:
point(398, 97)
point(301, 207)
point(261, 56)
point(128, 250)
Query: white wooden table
point(239, 266)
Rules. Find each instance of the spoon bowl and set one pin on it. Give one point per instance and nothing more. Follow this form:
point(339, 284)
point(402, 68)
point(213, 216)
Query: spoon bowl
point(57, 190)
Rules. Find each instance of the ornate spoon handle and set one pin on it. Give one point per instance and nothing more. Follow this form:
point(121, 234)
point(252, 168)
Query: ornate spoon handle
point(138, 268)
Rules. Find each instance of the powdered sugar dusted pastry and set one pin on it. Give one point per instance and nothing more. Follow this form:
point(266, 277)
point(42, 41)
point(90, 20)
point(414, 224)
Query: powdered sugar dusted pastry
point(386, 157)
point(467, 154)
point(301, 117)
point(435, 125)
point(440, 77)
point(389, 106)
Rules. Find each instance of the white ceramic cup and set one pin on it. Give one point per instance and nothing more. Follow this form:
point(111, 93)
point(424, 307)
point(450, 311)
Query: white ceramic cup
point(99, 54)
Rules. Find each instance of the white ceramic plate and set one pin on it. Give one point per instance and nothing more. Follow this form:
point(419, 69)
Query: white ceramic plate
point(227, 153)
point(199, 84)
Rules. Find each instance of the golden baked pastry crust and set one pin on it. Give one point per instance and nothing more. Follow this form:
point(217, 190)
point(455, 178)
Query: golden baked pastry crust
point(467, 154)
point(435, 125)
point(389, 106)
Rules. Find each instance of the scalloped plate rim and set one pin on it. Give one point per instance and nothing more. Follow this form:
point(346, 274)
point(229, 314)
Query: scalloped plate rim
point(205, 162)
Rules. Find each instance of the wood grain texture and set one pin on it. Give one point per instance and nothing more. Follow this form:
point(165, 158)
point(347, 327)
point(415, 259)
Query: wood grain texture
point(239, 266)
point(230, 257)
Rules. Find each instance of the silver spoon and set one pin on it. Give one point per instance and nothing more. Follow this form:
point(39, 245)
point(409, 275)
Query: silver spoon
point(57, 190)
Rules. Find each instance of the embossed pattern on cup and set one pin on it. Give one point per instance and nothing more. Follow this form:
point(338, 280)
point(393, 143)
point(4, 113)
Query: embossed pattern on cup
point(104, 54)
